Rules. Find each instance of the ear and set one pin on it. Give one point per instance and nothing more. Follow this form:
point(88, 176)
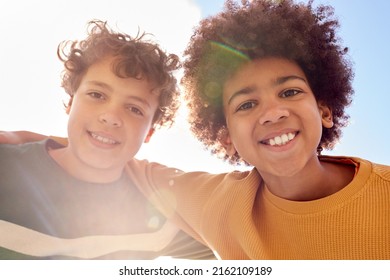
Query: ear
point(326, 115)
point(69, 105)
point(227, 143)
point(149, 135)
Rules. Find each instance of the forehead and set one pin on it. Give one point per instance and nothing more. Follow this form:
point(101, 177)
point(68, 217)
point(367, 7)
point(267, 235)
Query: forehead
point(105, 72)
point(266, 69)
point(260, 74)
point(101, 76)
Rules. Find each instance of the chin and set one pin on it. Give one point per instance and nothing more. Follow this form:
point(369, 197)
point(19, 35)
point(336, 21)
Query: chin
point(99, 163)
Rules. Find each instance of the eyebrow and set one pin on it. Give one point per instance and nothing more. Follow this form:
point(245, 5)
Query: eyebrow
point(109, 88)
point(101, 84)
point(277, 82)
point(282, 80)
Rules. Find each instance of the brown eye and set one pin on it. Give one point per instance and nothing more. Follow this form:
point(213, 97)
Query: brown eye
point(290, 92)
point(95, 95)
point(135, 110)
point(246, 106)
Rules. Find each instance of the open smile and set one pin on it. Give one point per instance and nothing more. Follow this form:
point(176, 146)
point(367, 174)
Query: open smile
point(280, 140)
point(102, 138)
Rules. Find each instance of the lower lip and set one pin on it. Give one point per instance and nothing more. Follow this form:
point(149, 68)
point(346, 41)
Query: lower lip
point(100, 144)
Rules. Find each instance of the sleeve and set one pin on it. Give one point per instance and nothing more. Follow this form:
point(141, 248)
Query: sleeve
point(183, 246)
point(182, 197)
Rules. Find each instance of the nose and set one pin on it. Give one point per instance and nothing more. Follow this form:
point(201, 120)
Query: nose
point(110, 119)
point(273, 113)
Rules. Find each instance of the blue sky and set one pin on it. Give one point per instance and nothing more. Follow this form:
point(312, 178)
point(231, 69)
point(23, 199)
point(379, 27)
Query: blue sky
point(31, 97)
point(364, 29)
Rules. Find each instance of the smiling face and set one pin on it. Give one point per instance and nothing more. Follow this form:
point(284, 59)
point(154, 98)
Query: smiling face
point(273, 118)
point(109, 119)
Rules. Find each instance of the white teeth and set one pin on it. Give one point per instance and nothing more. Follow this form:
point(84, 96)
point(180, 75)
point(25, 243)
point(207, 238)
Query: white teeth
point(103, 139)
point(282, 139)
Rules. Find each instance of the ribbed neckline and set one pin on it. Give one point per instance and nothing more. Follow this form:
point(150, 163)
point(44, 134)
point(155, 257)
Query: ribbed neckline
point(335, 200)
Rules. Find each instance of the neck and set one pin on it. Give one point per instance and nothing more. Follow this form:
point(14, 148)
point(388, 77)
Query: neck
point(317, 180)
point(82, 170)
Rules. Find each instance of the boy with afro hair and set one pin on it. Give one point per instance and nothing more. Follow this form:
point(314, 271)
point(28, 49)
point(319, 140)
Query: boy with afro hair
point(267, 84)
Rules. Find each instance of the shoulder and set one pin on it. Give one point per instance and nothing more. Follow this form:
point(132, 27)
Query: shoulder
point(25, 147)
point(382, 170)
point(32, 150)
point(375, 172)
point(376, 169)
point(15, 149)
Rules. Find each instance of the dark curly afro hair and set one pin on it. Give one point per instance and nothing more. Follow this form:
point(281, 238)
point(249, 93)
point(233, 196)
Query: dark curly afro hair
point(257, 29)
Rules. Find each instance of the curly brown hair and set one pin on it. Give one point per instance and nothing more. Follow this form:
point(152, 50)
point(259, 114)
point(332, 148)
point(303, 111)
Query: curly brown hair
point(263, 28)
point(134, 57)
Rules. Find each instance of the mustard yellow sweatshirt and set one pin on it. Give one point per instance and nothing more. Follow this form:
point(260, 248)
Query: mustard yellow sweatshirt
point(240, 219)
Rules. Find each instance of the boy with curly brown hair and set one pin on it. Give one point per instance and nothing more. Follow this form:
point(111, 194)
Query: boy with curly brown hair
point(76, 201)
